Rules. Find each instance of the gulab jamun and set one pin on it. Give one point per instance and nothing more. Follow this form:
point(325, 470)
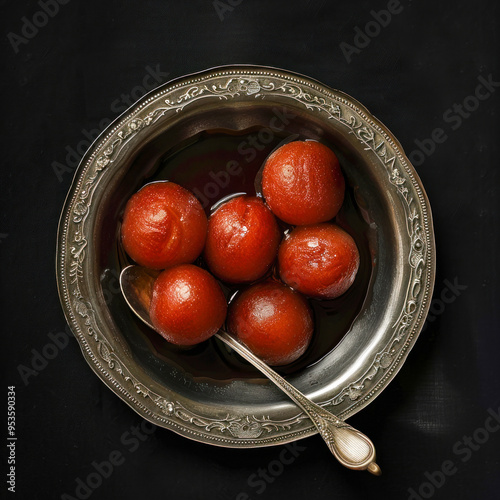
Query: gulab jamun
point(320, 261)
point(242, 240)
point(163, 225)
point(187, 305)
point(302, 183)
point(273, 321)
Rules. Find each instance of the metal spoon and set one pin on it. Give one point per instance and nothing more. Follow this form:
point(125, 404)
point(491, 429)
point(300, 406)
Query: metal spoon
point(351, 448)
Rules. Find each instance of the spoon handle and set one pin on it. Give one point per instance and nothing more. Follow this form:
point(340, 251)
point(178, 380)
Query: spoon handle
point(349, 446)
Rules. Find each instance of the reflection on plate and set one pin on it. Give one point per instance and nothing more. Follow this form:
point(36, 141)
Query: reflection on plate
point(210, 133)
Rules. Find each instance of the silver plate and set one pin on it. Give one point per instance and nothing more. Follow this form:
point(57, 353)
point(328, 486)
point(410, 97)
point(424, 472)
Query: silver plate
point(245, 411)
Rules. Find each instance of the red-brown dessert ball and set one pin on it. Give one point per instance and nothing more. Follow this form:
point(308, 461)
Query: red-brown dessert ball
point(242, 240)
point(302, 183)
point(320, 260)
point(273, 321)
point(163, 225)
point(187, 305)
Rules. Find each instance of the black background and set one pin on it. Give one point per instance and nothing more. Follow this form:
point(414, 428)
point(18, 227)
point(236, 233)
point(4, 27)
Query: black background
point(71, 75)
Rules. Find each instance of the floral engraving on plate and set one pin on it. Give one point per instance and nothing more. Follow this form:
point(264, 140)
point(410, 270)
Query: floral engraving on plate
point(247, 427)
point(225, 87)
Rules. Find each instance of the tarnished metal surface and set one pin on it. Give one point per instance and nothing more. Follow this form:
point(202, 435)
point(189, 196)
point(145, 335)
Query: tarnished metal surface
point(246, 412)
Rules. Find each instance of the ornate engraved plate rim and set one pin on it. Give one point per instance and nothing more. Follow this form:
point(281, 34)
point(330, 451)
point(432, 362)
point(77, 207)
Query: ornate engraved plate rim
point(254, 82)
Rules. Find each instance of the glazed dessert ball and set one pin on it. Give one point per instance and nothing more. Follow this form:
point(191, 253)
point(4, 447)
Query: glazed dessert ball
point(319, 260)
point(273, 321)
point(187, 305)
point(242, 240)
point(302, 183)
point(163, 225)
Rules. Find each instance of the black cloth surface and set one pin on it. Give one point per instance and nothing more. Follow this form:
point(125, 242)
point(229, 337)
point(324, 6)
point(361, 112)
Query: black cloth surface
point(428, 70)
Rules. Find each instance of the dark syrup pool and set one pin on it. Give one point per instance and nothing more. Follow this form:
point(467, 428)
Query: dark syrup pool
point(215, 165)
